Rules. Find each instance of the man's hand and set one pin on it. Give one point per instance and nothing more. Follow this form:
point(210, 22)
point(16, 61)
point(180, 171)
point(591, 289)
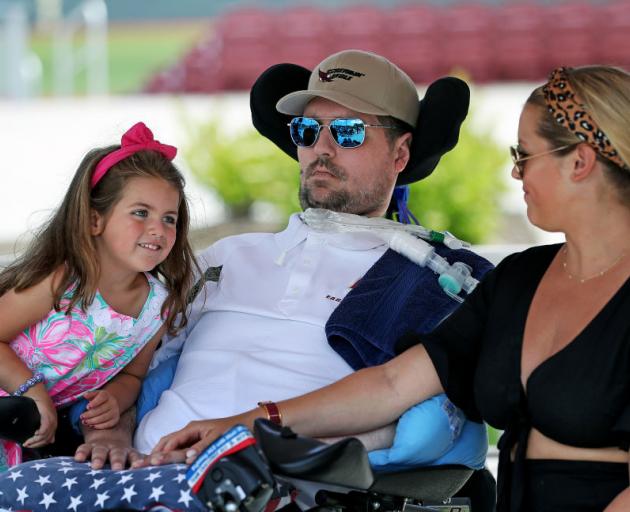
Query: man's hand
point(109, 445)
point(102, 410)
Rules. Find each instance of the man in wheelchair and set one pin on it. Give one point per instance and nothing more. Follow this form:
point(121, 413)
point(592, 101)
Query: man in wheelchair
point(278, 315)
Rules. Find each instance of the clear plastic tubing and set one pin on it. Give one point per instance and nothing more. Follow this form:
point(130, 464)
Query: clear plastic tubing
point(400, 238)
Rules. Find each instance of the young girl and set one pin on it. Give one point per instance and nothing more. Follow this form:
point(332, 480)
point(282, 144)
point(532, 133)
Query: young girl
point(83, 309)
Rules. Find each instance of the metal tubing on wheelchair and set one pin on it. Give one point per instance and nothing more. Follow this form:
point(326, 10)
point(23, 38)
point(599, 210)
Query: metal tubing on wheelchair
point(355, 501)
point(453, 505)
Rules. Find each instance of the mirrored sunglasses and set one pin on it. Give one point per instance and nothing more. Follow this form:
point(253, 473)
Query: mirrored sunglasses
point(347, 133)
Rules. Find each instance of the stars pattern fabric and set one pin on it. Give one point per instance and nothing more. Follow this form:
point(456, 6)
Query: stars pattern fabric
point(60, 484)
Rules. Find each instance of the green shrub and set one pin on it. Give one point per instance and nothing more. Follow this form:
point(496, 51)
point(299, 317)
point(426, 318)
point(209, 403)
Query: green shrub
point(460, 196)
point(243, 169)
point(493, 435)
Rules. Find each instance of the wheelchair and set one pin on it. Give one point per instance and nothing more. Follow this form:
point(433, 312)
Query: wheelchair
point(262, 474)
point(341, 475)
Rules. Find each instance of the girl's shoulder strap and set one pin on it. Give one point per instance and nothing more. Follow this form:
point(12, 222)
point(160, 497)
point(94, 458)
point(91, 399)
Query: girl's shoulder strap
point(157, 289)
point(151, 311)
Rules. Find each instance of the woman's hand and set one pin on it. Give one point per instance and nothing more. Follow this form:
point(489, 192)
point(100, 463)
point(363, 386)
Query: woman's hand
point(45, 434)
point(186, 444)
point(195, 436)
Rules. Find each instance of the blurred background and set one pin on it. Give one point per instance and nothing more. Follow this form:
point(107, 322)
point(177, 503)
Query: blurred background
point(75, 74)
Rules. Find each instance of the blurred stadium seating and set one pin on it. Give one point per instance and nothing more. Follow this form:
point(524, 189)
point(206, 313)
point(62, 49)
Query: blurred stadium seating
point(517, 44)
point(510, 41)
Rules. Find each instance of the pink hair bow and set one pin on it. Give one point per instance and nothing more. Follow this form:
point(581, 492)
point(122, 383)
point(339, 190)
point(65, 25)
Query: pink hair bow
point(137, 138)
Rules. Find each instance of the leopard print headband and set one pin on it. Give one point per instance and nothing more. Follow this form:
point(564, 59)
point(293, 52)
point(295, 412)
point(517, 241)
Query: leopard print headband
point(568, 111)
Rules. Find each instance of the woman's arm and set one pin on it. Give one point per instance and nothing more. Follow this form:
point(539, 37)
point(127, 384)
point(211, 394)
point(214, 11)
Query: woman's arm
point(106, 405)
point(363, 401)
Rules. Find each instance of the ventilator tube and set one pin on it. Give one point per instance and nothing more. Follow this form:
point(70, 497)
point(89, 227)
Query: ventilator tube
point(452, 278)
point(400, 238)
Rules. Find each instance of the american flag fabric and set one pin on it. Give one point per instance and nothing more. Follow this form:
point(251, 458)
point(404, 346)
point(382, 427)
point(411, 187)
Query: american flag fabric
point(61, 484)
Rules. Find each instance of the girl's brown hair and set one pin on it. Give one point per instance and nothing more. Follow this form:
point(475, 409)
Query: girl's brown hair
point(66, 240)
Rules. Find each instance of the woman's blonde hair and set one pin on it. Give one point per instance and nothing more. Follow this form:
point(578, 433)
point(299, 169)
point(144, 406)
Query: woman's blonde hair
point(605, 93)
point(66, 239)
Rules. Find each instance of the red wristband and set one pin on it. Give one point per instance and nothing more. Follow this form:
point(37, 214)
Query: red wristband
point(273, 413)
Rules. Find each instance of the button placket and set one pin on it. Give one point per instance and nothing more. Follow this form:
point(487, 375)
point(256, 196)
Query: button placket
point(302, 273)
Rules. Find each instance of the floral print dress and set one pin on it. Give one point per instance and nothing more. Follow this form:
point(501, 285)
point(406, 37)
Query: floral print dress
point(83, 350)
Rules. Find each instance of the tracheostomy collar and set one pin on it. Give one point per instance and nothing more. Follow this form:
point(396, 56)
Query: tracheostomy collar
point(406, 239)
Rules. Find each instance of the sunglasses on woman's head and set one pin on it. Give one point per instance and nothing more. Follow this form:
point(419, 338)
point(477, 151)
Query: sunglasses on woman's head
point(347, 133)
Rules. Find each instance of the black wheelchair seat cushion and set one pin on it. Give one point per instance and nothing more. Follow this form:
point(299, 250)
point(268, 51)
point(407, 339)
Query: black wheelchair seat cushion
point(346, 464)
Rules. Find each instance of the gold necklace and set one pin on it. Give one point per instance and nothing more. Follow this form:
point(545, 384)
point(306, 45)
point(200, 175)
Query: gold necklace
point(597, 274)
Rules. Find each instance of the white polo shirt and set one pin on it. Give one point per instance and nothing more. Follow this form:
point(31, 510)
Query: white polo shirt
point(260, 333)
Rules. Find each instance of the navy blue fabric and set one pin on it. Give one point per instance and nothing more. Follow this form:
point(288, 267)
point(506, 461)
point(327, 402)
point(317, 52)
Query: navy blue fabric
point(75, 412)
point(396, 297)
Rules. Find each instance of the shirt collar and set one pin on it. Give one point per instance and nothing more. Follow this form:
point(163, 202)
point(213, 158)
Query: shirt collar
point(297, 231)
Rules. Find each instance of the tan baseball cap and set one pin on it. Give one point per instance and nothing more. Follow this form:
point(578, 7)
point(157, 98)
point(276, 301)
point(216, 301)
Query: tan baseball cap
point(361, 81)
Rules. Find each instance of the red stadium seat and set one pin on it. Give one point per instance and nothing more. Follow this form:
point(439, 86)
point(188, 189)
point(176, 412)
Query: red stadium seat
point(245, 47)
point(465, 41)
point(508, 41)
point(612, 34)
point(411, 41)
point(517, 42)
point(359, 27)
point(304, 36)
point(569, 36)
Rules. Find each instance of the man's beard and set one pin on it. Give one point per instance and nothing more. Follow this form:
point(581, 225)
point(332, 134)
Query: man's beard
point(358, 202)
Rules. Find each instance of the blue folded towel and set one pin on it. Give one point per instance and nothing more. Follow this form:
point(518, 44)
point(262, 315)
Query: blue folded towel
point(394, 298)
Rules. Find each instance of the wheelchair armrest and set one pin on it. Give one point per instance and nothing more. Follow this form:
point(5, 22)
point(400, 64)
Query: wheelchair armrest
point(344, 463)
point(20, 418)
point(430, 483)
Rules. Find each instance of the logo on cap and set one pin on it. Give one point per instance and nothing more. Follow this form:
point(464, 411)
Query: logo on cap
point(334, 73)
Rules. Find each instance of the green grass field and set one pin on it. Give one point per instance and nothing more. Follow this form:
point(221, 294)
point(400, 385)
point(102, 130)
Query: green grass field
point(135, 52)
